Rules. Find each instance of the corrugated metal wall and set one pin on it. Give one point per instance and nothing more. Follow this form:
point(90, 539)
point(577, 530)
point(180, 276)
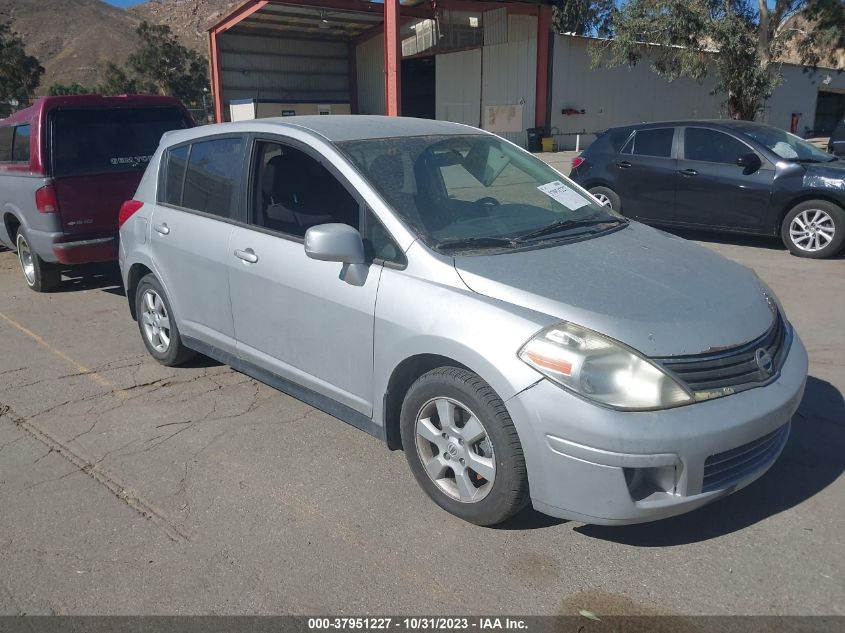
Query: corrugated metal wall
point(254, 67)
point(618, 96)
point(458, 87)
point(370, 67)
point(509, 72)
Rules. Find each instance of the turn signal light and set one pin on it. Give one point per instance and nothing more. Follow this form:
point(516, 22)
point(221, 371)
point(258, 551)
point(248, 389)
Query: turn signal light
point(127, 210)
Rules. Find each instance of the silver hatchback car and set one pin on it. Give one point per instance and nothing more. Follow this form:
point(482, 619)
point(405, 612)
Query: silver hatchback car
point(447, 292)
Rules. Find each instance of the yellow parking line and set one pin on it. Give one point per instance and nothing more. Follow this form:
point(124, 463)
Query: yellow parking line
point(82, 369)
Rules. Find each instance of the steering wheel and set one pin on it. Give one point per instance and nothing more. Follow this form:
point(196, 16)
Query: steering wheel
point(488, 200)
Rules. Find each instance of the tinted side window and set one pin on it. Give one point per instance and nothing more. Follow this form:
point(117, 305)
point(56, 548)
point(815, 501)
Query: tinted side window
point(20, 152)
point(712, 146)
point(377, 242)
point(174, 175)
point(6, 135)
point(213, 168)
point(652, 143)
point(293, 192)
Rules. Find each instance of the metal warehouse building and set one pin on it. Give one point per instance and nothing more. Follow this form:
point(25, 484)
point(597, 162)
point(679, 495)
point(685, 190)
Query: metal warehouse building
point(481, 63)
point(491, 64)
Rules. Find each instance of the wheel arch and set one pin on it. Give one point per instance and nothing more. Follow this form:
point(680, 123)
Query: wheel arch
point(136, 272)
point(400, 381)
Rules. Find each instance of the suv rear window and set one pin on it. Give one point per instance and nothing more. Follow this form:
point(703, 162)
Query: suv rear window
point(106, 140)
point(6, 136)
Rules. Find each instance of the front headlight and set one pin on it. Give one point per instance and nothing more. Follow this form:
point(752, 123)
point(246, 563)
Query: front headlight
point(601, 369)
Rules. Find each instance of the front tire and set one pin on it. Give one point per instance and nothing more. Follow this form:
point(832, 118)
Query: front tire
point(157, 325)
point(814, 229)
point(462, 447)
point(607, 196)
point(39, 275)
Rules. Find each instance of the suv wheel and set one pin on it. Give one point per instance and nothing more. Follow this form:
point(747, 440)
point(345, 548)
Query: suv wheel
point(41, 276)
point(157, 325)
point(815, 228)
point(462, 446)
point(607, 197)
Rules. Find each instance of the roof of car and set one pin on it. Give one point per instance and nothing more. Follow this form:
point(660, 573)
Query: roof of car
point(725, 123)
point(89, 101)
point(336, 128)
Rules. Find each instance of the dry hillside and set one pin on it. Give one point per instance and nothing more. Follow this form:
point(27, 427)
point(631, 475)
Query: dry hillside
point(73, 39)
point(188, 18)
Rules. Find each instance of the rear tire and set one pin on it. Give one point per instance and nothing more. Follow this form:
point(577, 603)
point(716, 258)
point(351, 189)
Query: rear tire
point(39, 275)
point(606, 194)
point(462, 447)
point(158, 325)
point(814, 229)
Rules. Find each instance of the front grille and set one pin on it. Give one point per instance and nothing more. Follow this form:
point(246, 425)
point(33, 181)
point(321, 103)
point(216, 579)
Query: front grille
point(723, 469)
point(727, 370)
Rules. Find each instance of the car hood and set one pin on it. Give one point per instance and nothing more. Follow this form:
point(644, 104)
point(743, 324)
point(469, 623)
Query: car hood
point(653, 291)
point(830, 176)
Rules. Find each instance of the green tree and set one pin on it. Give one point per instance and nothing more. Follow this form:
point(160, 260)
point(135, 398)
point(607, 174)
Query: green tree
point(20, 74)
point(74, 88)
point(115, 81)
point(161, 65)
point(584, 17)
point(741, 42)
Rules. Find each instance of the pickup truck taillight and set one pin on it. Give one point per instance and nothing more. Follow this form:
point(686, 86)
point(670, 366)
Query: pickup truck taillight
point(127, 210)
point(45, 200)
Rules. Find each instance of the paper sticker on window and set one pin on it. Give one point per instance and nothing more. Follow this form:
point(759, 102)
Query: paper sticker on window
point(567, 196)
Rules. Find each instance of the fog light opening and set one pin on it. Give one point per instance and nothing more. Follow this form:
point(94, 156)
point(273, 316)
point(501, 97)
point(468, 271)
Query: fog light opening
point(644, 482)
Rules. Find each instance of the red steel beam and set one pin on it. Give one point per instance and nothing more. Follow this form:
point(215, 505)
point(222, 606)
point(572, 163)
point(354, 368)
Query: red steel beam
point(392, 59)
point(544, 31)
point(238, 15)
point(216, 88)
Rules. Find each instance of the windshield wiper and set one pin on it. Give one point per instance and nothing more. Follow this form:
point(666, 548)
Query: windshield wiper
point(562, 225)
point(478, 242)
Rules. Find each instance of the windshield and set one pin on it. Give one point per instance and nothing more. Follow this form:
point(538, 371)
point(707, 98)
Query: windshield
point(475, 190)
point(786, 145)
point(106, 140)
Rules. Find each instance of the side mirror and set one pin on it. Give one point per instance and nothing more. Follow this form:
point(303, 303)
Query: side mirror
point(338, 243)
point(750, 161)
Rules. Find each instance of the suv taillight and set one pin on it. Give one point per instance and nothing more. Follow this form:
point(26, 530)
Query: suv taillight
point(127, 210)
point(45, 200)
point(577, 161)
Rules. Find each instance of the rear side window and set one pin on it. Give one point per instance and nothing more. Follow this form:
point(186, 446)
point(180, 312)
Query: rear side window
point(106, 140)
point(20, 149)
point(6, 136)
point(651, 143)
point(213, 169)
point(712, 146)
point(174, 175)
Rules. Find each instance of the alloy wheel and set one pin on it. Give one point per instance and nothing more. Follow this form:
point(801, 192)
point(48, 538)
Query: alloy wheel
point(603, 199)
point(26, 259)
point(455, 450)
point(812, 230)
point(155, 320)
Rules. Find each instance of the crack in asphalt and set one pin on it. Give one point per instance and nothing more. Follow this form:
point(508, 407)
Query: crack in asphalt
point(131, 498)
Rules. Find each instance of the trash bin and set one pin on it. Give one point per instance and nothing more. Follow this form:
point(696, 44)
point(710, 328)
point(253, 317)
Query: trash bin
point(535, 135)
point(548, 144)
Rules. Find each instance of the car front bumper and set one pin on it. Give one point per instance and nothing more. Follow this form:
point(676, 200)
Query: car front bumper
point(598, 465)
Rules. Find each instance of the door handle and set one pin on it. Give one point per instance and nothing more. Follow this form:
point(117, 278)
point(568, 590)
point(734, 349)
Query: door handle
point(248, 255)
point(689, 172)
point(623, 165)
point(162, 228)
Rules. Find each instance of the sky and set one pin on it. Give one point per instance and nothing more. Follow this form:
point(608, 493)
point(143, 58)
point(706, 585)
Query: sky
point(123, 3)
